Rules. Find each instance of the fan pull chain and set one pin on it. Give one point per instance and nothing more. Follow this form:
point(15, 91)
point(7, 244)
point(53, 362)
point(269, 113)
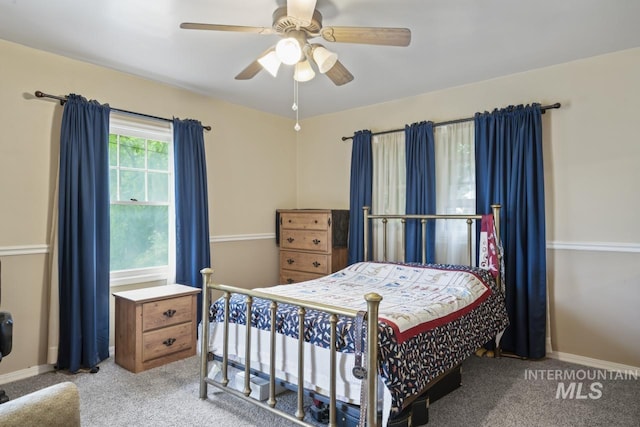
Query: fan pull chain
point(294, 107)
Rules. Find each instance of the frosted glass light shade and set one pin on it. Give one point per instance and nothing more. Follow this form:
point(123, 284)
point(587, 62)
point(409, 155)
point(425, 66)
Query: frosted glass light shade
point(303, 72)
point(270, 62)
point(324, 58)
point(289, 50)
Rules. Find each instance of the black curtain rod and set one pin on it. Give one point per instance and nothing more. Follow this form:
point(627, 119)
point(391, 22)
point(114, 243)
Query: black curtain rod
point(450, 122)
point(63, 99)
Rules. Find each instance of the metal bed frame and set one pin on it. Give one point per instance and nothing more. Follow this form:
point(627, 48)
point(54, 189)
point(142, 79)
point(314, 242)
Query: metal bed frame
point(373, 302)
point(423, 222)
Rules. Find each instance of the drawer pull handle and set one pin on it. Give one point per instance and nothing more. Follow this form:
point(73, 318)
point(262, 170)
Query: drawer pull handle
point(169, 313)
point(169, 342)
point(316, 241)
point(290, 239)
point(290, 261)
point(316, 264)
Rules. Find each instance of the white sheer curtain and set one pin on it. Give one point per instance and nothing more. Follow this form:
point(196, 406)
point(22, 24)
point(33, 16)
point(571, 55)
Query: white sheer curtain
point(388, 191)
point(455, 190)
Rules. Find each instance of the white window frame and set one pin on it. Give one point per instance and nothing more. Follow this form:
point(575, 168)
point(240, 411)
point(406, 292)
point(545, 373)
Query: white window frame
point(159, 131)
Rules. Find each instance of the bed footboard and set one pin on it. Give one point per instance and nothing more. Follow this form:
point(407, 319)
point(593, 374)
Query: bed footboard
point(371, 379)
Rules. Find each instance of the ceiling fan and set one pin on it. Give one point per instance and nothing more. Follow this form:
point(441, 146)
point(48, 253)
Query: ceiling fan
point(297, 23)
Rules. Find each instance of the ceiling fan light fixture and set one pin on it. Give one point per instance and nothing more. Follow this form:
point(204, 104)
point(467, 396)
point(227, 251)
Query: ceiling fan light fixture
point(289, 50)
point(303, 71)
point(270, 62)
point(324, 58)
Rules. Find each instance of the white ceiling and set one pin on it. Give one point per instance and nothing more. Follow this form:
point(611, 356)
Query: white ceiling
point(454, 42)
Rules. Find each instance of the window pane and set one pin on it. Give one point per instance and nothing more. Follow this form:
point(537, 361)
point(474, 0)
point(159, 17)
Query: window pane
point(158, 155)
point(132, 185)
point(158, 187)
point(113, 149)
point(113, 184)
point(139, 236)
point(132, 152)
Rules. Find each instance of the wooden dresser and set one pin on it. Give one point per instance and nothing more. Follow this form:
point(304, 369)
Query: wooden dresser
point(155, 326)
point(313, 243)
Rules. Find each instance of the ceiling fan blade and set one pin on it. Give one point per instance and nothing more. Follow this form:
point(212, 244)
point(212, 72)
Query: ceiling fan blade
point(302, 10)
point(250, 71)
point(339, 75)
point(236, 28)
point(368, 35)
point(254, 68)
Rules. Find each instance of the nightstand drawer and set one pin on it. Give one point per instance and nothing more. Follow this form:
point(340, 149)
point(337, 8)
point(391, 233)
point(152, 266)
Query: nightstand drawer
point(305, 261)
point(158, 314)
point(305, 220)
point(305, 240)
point(167, 340)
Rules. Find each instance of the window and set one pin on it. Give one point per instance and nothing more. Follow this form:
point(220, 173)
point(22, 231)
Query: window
point(388, 192)
point(141, 195)
point(455, 190)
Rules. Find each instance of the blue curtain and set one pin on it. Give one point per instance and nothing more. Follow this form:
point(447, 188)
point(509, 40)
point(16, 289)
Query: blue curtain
point(509, 171)
point(360, 193)
point(191, 200)
point(83, 227)
point(421, 189)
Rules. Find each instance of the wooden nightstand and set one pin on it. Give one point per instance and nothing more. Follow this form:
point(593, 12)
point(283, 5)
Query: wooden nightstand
point(155, 326)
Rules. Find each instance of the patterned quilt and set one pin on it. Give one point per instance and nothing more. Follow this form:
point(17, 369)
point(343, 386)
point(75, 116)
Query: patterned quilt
point(431, 317)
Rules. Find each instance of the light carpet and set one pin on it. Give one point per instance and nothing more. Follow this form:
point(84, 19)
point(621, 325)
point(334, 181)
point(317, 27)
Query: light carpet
point(495, 392)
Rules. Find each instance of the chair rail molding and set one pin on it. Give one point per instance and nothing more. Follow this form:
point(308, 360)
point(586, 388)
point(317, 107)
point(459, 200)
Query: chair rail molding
point(594, 246)
point(24, 250)
point(241, 237)
point(554, 244)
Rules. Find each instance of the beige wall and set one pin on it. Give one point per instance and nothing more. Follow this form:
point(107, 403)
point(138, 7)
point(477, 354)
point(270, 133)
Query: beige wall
point(591, 172)
point(250, 161)
point(591, 154)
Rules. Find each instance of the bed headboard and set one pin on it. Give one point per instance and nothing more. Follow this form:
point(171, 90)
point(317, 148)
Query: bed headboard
point(384, 218)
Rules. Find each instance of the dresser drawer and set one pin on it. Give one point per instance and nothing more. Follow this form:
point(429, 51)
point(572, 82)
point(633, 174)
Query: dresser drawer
point(167, 340)
point(305, 220)
point(290, 276)
point(307, 240)
point(305, 261)
point(158, 314)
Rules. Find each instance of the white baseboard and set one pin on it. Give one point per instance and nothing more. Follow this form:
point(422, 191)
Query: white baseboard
point(25, 373)
point(594, 363)
point(35, 370)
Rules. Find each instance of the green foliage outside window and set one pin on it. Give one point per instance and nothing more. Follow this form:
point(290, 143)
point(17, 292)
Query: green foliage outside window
point(139, 236)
